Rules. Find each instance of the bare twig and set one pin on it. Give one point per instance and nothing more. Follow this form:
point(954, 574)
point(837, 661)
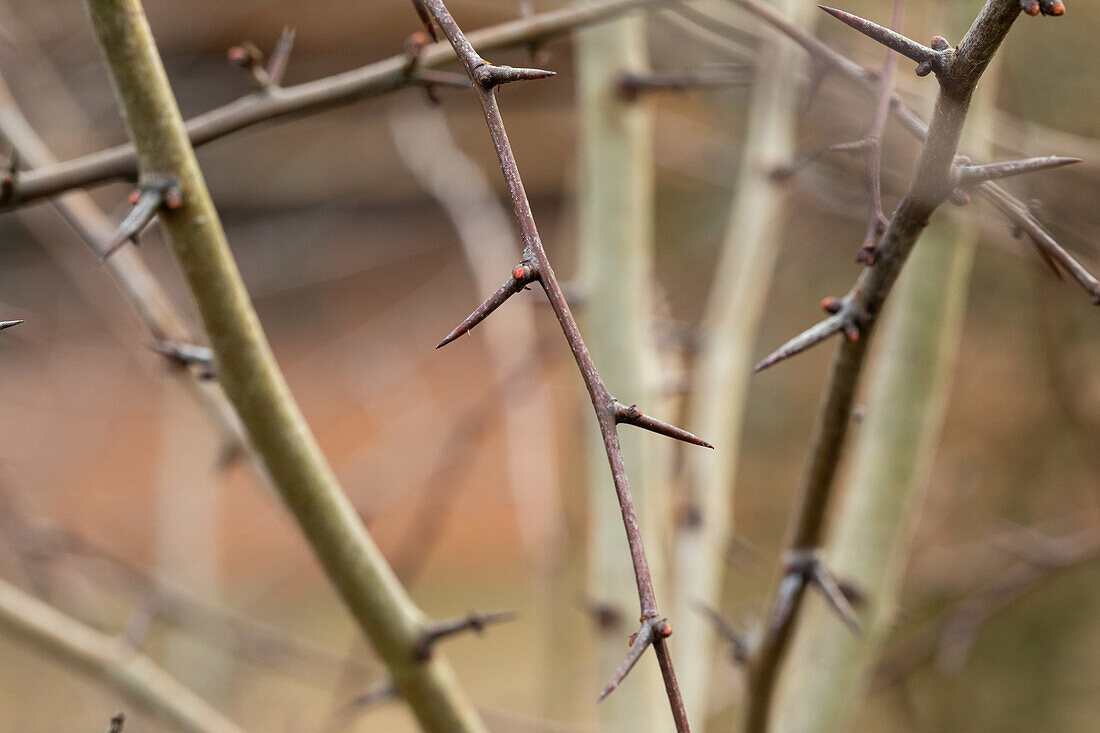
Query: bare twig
point(255, 385)
point(1015, 210)
point(958, 72)
point(634, 84)
point(274, 103)
point(485, 78)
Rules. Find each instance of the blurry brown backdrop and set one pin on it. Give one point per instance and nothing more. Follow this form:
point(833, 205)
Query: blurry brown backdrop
point(357, 273)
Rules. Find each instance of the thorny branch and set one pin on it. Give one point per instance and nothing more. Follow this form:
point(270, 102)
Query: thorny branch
point(273, 102)
point(1016, 211)
point(958, 71)
point(535, 266)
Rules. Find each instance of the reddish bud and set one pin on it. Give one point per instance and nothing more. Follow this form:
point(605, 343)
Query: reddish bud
point(831, 305)
point(1031, 7)
point(134, 197)
point(939, 43)
point(173, 198)
point(520, 273)
point(663, 628)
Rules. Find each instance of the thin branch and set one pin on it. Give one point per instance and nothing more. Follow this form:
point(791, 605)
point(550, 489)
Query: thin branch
point(314, 96)
point(930, 186)
point(254, 384)
point(485, 76)
point(102, 658)
point(633, 84)
point(1015, 210)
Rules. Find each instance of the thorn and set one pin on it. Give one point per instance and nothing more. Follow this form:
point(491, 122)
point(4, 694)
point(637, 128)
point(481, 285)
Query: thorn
point(425, 18)
point(789, 588)
point(472, 621)
point(146, 201)
point(8, 324)
point(650, 630)
point(824, 581)
point(115, 726)
point(184, 354)
point(725, 630)
point(523, 273)
point(846, 318)
point(280, 56)
point(490, 75)
point(969, 175)
point(926, 57)
point(633, 416)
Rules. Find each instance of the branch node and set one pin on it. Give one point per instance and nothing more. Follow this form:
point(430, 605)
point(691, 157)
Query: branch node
point(633, 416)
point(805, 567)
point(247, 56)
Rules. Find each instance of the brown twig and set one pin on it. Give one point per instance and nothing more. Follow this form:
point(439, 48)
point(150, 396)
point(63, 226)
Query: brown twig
point(958, 72)
point(313, 96)
point(1015, 210)
point(485, 77)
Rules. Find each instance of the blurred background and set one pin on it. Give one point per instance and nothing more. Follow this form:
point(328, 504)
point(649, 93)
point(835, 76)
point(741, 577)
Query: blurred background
point(473, 465)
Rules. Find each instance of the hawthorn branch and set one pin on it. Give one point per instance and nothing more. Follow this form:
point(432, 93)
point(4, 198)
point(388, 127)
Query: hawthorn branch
point(1014, 209)
point(930, 186)
point(485, 77)
point(254, 384)
point(278, 102)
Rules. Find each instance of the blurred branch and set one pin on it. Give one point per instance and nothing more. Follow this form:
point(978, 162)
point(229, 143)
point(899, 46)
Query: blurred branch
point(958, 72)
point(255, 385)
point(275, 102)
point(535, 265)
point(950, 638)
point(1016, 211)
point(751, 247)
point(136, 283)
point(615, 222)
point(107, 660)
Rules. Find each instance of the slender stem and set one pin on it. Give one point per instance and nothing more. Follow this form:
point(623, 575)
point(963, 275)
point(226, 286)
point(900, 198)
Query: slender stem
point(481, 74)
point(930, 186)
point(256, 387)
point(108, 661)
point(314, 96)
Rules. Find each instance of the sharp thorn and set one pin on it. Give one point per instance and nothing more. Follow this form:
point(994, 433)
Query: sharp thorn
point(970, 175)
point(891, 39)
point(116, 723)
point(523, 273)
point(8, 324)
point(789, 588)
point(808, 338)
point(425, 18)
point(633, 416)
point(490, 75)
point(280, 56)
point(638, 644)
point(824, 581)
point(147, 201)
